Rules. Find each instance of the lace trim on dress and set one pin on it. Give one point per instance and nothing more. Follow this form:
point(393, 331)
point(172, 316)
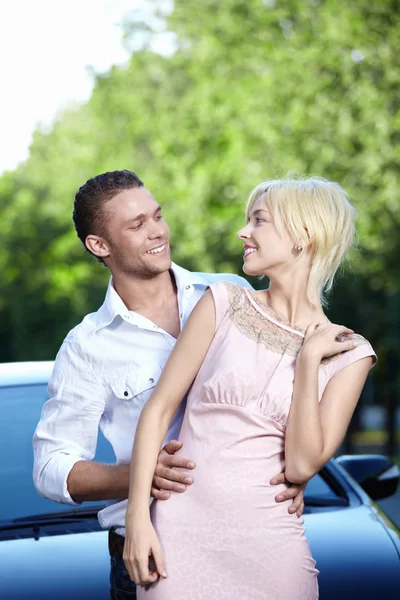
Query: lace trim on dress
point(274, 315)
point(254, 325)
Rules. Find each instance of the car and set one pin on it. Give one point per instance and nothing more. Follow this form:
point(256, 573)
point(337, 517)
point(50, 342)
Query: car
point(50, 550)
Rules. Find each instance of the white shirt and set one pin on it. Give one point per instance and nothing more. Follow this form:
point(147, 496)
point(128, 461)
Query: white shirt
point(103, 375)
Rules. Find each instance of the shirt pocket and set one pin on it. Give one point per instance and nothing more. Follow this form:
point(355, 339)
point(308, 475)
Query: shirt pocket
point(136, 386)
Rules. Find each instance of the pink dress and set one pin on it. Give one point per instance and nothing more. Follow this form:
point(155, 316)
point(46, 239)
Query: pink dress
point(226, 537)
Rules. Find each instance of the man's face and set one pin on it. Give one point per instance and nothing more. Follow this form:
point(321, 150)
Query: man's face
point(137, 235)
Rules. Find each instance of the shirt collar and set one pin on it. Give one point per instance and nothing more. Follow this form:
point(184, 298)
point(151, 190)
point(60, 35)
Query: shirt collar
point(185, 278)
point(113, 305)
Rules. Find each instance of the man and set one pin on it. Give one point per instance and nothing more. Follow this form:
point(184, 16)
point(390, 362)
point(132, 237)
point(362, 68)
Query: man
point(109, 364)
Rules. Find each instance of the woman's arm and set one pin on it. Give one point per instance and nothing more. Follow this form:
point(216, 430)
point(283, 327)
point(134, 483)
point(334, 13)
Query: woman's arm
point(176, 378)
point(315, 429)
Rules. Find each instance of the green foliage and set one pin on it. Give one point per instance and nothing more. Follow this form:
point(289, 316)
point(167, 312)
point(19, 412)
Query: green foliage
point(254, 89)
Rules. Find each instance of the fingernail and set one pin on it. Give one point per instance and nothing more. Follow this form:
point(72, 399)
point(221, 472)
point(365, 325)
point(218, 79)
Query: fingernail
point(189, 480)
point(279, 498)
point(292, 510)
point(191, 465)
point(182, 488)
point(164, 573)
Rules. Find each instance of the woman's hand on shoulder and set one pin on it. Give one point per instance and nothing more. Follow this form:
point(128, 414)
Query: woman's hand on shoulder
point(141, 543)
point(326, 339)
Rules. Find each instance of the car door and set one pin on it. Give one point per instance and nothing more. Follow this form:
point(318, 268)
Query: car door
point(353, 551)
point(43, 557)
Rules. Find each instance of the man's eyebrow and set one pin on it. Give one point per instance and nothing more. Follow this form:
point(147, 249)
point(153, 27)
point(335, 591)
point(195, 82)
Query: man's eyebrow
point(143, 215)
point(137, 218)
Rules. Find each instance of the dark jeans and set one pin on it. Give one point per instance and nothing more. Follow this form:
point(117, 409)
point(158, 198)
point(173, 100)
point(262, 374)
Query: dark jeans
point(121, 585)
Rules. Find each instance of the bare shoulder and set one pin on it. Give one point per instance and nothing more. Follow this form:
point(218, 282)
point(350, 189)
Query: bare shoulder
point(204, 309)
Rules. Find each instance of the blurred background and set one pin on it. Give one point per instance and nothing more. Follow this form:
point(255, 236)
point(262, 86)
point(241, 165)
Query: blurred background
point(203, 100)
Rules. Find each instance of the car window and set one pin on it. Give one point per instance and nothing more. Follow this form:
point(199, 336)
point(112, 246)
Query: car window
point(20, 412)
point(318, 487)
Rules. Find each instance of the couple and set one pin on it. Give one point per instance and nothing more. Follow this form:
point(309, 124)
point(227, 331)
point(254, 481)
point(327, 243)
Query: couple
point(248, 417)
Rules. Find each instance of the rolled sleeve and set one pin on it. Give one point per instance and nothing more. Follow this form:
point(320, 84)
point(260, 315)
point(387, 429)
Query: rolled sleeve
point(68, 427)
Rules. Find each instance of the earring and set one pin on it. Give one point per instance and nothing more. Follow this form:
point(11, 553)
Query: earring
point(298, 248)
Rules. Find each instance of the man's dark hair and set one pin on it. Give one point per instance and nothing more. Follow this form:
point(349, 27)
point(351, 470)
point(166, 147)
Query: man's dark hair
point(89, 214)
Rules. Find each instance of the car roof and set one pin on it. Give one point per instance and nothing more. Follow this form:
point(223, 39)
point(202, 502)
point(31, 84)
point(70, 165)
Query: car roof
point(24, 373)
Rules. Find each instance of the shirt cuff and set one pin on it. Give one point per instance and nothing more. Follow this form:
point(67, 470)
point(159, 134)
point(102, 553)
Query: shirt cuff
point(52, 483)
point(113, 516)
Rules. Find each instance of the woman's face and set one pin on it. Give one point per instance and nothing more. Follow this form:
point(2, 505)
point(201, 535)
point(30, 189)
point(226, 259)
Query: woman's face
point(266, 251)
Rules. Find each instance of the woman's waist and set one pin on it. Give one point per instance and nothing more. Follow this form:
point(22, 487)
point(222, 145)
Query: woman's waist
point(228, 470)
point(214, 462)
point(230, 503)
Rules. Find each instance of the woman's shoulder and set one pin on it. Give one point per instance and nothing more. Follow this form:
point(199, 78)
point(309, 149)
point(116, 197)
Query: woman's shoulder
point(229, 288)
point(356, 337)
point(341, 360)
point(229, 297)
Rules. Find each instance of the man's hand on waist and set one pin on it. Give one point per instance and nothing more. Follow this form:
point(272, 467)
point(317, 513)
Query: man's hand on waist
point(294, 492)
point(168, 475)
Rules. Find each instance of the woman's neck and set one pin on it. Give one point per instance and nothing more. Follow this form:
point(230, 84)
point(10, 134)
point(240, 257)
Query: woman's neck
point(290, 298)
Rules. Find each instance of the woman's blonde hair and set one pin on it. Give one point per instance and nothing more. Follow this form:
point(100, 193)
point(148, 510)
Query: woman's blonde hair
point(317, 213)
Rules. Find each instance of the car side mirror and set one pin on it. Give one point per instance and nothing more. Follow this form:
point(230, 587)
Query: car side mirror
point(375, 473)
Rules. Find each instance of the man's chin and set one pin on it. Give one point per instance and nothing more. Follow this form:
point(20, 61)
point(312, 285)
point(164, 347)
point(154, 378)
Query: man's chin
point(160, 265)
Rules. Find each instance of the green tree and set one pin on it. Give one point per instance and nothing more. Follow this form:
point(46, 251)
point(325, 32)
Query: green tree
point(252, 90)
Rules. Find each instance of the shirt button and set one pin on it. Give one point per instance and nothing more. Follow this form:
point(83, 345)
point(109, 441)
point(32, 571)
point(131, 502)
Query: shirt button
point(187, 287)
point(126, 393)
point(151, 380)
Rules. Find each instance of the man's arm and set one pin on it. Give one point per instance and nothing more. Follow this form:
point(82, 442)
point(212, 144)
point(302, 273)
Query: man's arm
point(90, 481)
point(65, 441)
point(66, 436)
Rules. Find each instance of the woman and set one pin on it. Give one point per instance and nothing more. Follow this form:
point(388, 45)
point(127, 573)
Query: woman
point(274, 388)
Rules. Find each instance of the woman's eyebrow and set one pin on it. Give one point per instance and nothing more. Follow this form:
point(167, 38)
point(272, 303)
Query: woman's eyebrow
point(258, 211)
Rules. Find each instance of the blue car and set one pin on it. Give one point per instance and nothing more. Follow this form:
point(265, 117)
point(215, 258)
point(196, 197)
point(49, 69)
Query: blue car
point(50, 550)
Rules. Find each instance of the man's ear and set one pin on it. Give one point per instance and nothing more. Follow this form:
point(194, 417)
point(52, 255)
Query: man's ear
point(97, 246)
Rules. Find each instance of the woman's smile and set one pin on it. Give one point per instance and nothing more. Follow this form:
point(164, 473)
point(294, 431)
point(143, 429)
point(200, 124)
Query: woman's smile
point(249, 250)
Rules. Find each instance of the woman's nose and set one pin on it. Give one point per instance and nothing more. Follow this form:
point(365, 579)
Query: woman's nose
point(242, 234)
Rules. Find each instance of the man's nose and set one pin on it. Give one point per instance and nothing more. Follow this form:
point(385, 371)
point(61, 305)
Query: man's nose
point(157, 229)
